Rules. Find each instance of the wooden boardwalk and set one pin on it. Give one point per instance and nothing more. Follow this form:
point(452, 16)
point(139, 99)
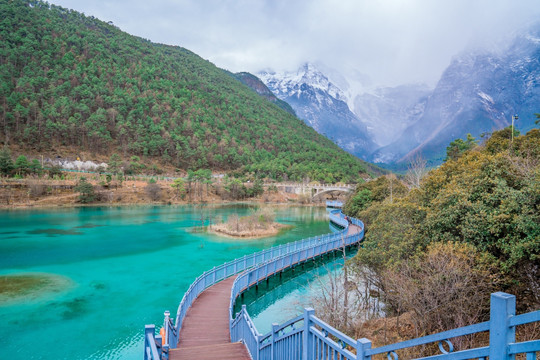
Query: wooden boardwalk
point(205, 330)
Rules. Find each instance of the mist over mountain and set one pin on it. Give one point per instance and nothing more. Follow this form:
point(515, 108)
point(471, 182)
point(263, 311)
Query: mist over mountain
point(478, 92)
point(389, 111)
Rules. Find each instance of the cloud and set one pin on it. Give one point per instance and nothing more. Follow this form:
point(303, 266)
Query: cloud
point(389, 41)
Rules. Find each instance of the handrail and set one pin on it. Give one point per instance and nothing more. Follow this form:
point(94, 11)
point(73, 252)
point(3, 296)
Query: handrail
point(152, 351)
point(324, 186)
point(334, 204)
point(307, 337)
point(254, 275)
point(218, 273)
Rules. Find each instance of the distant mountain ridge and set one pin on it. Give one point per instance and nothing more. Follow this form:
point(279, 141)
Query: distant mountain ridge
point(322, 105)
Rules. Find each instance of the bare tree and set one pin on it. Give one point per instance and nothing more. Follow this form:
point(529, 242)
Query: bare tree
point(36, 188)
point(417, 170)
point(391, 179)
point(153, 190)
point(345, 299)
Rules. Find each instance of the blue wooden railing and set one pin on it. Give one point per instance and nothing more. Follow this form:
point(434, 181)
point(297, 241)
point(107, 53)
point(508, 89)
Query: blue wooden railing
point(334, 204)
point(169, 339)
point(267, 269)
point(241, 327)
point(308, 337)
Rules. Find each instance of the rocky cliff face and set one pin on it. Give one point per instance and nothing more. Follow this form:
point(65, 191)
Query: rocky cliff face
point(260, 88)
point(322, 105)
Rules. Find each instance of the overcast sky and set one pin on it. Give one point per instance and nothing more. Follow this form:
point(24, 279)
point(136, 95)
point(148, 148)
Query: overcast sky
point(391, 41)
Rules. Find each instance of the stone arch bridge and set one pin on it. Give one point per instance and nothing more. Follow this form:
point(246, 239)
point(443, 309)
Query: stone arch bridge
point(313, 190)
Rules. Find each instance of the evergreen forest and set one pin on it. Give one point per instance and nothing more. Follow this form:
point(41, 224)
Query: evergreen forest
point(69, 80)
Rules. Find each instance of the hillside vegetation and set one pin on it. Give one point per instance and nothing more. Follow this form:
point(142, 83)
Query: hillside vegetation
point(470, 227)
point(71, 80)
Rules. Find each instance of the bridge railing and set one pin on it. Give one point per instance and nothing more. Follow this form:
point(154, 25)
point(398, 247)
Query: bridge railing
point(216, 274)
point(308, 337)
point(337, 217)
point(334, 204)
point(319, 186)
point(263, 271)
point(242, 327)
point(152, 344)
point(242, 324)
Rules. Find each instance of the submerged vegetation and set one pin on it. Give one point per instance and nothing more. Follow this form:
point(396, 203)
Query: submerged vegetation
point(26, 287)
point(71, 80)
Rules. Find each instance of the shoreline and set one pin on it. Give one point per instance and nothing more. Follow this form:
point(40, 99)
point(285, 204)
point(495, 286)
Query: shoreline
point(162, 203)
point(60, 195)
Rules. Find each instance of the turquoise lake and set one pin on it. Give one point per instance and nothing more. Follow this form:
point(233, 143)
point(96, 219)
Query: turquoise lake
point(116, 269)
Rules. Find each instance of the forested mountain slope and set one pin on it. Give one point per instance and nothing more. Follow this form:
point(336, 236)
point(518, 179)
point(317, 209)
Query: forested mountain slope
point(68, 79)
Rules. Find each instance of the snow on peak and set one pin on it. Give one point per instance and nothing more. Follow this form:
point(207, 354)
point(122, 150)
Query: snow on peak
point(307, 74)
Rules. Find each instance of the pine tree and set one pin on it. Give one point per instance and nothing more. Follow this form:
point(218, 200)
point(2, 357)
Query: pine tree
point(22, 166)
point(86, 191)
point(6, 164)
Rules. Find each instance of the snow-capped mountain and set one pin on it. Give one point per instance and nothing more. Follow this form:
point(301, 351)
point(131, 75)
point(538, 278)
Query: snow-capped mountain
point(322, 105)
point(477, 93)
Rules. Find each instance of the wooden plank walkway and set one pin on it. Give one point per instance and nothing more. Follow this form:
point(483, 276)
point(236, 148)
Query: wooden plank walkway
point(353, 229)
point(205, 330)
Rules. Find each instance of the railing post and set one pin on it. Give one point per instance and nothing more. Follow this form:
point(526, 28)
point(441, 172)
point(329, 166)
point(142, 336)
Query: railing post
point(258, 354)
point(503, 306)
point(361, 346)
point(148, 330)
point(273, 354)
point(166, 322)
point(307, 349)
point(163, 355)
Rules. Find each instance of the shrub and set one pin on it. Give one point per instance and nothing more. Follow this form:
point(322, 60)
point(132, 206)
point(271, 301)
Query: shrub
point(85, 190)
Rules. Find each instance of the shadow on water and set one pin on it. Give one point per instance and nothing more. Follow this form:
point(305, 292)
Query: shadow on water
point(53, 232)
point(88, 226)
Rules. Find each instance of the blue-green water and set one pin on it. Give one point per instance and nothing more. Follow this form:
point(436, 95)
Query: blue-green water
point(119, 268)
point(283, 298)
